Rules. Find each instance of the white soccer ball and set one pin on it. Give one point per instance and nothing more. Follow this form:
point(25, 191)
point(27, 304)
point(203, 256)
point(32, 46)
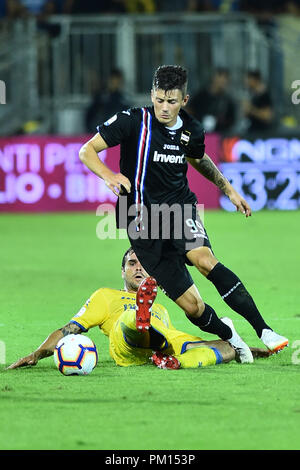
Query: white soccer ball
point(75, 355)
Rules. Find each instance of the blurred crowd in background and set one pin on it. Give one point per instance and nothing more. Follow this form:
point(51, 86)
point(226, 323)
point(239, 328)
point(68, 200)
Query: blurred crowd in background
point(42, 8)
point(213, 102)
point(212, 105)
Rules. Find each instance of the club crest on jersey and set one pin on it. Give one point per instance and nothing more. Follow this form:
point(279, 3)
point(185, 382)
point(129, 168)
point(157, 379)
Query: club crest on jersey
point(185, 137)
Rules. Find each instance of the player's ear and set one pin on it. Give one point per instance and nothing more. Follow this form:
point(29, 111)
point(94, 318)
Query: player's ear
point(185, 100)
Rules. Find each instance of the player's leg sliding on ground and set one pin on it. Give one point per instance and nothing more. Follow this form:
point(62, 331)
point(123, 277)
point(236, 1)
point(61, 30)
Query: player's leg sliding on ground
point(128, 343)
point(139, 336)
point(196, 355)
point(204, 316)
point(200, 355)
point(174, 349)
point(236, 296)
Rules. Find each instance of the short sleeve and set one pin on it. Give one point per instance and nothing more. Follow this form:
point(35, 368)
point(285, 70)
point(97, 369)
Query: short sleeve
point(195, 147)
point(117, 129)
point(92, 313)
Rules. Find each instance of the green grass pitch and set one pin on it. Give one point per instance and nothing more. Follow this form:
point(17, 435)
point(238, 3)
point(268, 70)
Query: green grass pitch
point(50, 264)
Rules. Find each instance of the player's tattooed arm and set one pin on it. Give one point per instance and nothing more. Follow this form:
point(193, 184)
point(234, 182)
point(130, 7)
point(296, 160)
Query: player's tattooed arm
point(70, 329)
point(207, 168)
point(47, 347)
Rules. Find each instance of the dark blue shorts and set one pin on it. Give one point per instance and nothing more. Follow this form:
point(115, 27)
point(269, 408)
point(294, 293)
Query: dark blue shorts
point(162, 250)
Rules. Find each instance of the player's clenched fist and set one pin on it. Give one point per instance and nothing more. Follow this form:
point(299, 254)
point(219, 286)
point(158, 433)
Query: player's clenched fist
point(116, 181)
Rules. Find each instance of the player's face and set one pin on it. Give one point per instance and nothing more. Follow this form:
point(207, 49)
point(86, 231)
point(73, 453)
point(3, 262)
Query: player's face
point(133, 273)
point(167, 105)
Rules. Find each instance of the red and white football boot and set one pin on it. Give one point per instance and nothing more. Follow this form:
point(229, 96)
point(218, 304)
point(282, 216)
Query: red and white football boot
point(163, 361)
point(145, 297)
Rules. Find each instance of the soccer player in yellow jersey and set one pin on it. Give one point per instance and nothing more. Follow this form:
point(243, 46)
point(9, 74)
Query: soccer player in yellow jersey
point(138, 329)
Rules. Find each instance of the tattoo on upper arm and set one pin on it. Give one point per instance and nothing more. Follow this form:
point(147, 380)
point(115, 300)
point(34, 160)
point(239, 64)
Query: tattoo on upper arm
point(208, 169)
point(71, 329)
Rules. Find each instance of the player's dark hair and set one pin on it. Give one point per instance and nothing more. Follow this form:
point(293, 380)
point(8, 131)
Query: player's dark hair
point(127, 252)
point(170, 77)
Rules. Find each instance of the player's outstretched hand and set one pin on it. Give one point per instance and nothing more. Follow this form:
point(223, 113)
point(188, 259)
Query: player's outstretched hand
point(30, 360)
point(116, 181)
point(240, 203)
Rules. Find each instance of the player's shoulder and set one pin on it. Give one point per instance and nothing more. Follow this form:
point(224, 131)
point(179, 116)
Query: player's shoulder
point(109, 293)
point(191, 123)
point(123, 116)
point(136, 114)
point(133, 113)
point(103, 293)
point(130, 116)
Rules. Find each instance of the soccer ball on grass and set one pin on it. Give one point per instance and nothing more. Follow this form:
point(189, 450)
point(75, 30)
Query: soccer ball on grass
point(75, 355)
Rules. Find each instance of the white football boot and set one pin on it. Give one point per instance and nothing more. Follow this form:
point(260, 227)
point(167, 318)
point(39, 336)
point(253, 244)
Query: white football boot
point(242, 349)
point(273, 341)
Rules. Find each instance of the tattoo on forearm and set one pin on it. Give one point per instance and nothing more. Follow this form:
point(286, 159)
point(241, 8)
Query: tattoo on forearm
point(208, 169)
point(70, 328)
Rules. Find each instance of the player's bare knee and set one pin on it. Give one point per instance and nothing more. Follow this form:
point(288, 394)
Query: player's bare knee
point(204, 261)
point(195, 308)
point(191, 302)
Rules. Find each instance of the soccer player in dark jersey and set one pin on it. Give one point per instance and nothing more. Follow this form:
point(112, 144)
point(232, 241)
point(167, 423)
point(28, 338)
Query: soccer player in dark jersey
point(158, 208)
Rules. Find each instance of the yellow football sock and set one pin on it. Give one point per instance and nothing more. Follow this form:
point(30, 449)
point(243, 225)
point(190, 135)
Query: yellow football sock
point(200, 356)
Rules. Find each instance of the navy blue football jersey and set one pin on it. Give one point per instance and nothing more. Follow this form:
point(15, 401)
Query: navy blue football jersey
point(153, 156)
